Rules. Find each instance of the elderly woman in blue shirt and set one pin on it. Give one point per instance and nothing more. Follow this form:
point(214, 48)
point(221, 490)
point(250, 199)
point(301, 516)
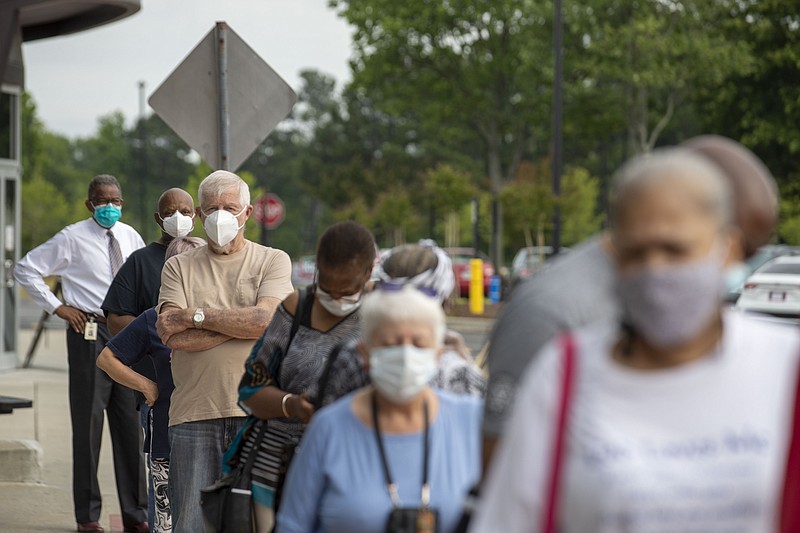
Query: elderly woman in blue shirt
point(396, 443)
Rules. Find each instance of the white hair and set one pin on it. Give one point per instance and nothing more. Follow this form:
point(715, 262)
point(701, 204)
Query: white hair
point(220, 181)
point(406, 304)
point(675, 164)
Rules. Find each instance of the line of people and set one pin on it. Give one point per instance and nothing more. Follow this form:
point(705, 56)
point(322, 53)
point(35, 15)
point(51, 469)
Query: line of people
point(660, 411)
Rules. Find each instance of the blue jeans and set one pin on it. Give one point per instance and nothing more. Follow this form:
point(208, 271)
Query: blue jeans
point(195, 463)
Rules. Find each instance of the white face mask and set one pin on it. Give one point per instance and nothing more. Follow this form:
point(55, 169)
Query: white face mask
point(222, 226)
point(342, 306)
point(178, 224)
point(401, 372)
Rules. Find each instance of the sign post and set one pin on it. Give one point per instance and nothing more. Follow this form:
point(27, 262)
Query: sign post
point(221, 33)
point(223, 99)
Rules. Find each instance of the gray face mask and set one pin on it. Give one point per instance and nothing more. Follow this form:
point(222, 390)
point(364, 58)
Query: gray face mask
point(668, 306)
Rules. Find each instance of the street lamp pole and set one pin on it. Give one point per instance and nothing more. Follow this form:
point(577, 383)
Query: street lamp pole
point(143, 170)
point(558, 75)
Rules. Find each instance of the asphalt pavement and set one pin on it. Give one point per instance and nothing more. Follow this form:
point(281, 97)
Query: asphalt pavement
point(46, 506)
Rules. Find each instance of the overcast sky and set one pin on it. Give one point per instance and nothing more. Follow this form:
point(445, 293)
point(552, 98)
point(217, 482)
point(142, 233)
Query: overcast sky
point(77, 78)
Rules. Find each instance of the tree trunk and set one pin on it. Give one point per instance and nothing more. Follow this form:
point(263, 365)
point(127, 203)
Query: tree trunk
point(495, 169)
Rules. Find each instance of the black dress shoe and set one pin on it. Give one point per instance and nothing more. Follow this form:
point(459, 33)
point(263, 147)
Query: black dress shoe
point(141, 527)
point(90, 526)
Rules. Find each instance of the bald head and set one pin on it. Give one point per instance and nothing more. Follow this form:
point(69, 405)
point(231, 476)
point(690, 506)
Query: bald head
point(755, 194)
point(172, 201)
point(174, 196)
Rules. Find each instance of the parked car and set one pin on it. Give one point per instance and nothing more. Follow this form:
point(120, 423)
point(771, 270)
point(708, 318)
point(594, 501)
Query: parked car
point(529, 261)
point(759, 259)
point(303, 271)
point(774, 288)
point(461, 258)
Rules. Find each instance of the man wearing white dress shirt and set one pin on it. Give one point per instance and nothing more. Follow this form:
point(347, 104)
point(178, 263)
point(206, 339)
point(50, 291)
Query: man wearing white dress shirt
point(87, 255)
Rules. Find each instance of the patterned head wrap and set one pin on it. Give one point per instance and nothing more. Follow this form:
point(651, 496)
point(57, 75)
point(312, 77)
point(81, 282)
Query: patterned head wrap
point(437, 282)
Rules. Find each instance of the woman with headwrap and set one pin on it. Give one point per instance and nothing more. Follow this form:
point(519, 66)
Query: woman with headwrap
point(427, 268)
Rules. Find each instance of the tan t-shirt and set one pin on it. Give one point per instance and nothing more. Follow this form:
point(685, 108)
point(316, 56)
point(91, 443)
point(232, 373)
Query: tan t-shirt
point(206, 383)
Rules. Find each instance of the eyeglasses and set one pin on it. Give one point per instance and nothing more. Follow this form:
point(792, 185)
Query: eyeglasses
point(100, 202)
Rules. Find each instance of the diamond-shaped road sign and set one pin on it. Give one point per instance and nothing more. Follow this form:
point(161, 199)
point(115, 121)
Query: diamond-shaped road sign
point(257, 99)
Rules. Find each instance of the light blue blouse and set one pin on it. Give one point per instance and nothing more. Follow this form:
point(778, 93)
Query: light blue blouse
point(336, 483)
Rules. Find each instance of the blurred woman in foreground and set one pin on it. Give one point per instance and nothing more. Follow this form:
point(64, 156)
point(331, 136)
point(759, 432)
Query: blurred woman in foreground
point(680, 418)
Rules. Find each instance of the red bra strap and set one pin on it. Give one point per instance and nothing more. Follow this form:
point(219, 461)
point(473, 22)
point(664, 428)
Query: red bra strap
point(551, 503)
point(790, 504)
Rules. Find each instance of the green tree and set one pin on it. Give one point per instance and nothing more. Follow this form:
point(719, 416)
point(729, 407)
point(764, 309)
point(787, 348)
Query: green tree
point(579, 206)
point(644, 60)
point(760, 106)
point(42, 202)
point(475, 69)
point(449, 190)
point(527, 204)
point(50, 192)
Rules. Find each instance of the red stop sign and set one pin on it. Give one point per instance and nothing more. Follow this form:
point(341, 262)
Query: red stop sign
point(268, 209)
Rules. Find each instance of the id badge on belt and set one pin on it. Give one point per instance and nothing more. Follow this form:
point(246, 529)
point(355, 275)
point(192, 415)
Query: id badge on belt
point(90, 330)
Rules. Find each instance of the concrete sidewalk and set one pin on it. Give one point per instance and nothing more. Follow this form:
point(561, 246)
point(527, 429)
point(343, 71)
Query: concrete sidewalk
point(47, 506)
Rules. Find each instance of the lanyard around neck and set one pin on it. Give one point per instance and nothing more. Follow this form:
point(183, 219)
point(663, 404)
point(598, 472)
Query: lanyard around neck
point(391, 486)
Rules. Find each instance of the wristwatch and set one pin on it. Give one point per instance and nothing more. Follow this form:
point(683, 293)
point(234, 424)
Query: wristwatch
point(198, 318)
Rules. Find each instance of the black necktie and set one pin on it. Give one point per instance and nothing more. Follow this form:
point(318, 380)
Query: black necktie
point(114, 253)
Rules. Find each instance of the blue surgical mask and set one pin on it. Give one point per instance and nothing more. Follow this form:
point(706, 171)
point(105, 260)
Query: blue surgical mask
point(107, 215)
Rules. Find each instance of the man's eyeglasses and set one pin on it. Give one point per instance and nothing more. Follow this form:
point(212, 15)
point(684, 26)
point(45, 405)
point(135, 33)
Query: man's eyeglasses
point(100, 202)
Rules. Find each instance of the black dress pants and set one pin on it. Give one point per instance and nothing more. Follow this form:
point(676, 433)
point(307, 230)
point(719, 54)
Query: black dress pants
point(91, 394)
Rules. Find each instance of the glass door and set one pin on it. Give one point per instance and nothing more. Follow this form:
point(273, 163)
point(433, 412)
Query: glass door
point(10, 172)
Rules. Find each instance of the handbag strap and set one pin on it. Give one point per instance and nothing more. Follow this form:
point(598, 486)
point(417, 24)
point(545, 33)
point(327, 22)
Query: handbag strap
point(568, 379)
point(299, 314)
point(790, 503)
point(251, 457)
point(325, 378)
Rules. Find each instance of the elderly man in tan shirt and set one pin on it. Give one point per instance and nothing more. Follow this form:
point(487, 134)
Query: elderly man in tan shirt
point(215, 302)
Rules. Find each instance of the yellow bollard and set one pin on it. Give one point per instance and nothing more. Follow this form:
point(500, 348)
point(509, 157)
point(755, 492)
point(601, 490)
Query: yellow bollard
point(476, 286)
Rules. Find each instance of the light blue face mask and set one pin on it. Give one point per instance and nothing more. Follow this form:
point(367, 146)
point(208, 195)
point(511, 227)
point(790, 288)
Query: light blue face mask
point(107, 215)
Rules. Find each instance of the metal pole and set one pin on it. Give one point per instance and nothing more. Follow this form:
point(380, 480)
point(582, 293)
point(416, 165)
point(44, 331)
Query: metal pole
point(143, 205)
point(475, 230)
point(222, 84)
point(264, 231)
point(558, 76)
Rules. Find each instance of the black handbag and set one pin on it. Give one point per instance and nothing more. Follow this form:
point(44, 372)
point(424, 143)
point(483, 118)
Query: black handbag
point(228, 504)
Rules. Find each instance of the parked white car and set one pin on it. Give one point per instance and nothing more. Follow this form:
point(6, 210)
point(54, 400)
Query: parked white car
point(774, 288)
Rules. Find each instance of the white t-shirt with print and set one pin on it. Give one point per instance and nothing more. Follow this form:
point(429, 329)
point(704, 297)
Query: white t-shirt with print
point(696, 448)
